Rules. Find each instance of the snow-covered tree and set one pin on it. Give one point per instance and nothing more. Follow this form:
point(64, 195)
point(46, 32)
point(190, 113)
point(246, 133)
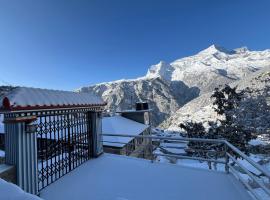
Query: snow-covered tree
point(226, 103)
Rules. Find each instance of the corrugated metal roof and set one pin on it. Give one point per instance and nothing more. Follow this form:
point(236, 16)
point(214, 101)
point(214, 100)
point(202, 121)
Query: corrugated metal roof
point(24, 98)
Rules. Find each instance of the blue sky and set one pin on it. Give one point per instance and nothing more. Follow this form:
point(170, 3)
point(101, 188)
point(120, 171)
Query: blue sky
point(71, 43)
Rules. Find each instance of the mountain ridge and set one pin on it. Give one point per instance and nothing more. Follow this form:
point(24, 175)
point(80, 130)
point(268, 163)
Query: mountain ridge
point(169, 86)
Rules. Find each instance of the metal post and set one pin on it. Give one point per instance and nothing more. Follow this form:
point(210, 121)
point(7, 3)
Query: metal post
point(89, 134)
point(226, 159)
point(21, 151)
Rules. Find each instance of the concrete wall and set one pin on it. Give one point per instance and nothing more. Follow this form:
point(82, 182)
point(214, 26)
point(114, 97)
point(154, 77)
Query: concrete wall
point(142, 150)
point(8, 173)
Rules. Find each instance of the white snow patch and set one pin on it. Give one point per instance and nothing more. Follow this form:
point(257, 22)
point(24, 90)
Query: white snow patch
point(120, 177)
point(120, 125)
point(24, 97)
point(9, 191)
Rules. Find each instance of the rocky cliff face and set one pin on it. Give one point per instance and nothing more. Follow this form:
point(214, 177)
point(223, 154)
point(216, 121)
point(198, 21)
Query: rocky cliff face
point(164, 98)
point(254, 111)
point(170, 86)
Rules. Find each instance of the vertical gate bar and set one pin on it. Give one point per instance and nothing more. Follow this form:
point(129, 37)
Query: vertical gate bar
point(85, 137)
point(72, 138)
point(76, 143)
point(50, 149)
point(80, 138)
point(66, 143)
point(59, 146)
point(69, 143)
point(55, 148)
point(46, 156)
point(41, 149)
point(62, 145)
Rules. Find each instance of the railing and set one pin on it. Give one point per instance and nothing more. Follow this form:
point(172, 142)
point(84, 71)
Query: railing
point(211, 151)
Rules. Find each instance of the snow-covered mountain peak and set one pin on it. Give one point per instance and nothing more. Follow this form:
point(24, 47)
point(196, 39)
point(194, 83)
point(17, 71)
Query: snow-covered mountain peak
point(241, 50)
point(167, 86)
point(213, 63)
point(213, 49)
point(162, 70)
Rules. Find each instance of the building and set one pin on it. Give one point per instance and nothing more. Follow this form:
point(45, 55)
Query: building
point(132, 124)
point(119, 125)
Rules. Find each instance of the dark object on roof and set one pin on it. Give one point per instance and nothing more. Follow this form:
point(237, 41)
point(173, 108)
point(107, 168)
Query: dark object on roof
point(142, 106)
point(24, 98)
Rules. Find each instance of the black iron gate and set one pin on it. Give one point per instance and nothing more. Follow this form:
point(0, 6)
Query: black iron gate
point(64, 142)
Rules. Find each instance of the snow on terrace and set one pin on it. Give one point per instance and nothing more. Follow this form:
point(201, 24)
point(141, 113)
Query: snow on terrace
point(120, 125)
point(9, 191)
point(114, 177)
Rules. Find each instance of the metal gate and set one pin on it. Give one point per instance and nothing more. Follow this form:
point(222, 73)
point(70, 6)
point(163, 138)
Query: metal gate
point(64, 142)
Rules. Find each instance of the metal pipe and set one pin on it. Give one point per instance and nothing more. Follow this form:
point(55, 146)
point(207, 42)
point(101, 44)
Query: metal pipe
point(251, 175)
point(229, 145)
point(234, 172)
point(254, 164)
point(169, 138)
point(190, 158)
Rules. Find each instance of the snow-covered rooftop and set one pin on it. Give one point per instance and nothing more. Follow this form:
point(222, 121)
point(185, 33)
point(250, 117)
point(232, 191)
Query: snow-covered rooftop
point(118, 177)
point(24, 98)
point(120, 125)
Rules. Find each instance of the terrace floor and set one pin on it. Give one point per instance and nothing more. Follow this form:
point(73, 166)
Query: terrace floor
point(114, 177)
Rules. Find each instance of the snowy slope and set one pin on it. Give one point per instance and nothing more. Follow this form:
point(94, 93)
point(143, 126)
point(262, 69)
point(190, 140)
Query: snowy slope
point(254, 110)
point(169, 86)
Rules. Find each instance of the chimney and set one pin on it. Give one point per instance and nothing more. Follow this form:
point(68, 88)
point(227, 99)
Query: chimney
point(141, 114)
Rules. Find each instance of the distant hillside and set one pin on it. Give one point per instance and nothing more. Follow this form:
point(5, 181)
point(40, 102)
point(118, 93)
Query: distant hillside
point(5, 89)
point(169, 86)
point(254, 110)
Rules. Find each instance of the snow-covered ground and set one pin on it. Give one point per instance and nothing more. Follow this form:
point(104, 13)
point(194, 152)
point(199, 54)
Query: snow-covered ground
point(117, 177)
point(169, 148)
point(9, 191)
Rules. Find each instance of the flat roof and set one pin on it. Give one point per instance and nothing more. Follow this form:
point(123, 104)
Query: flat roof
point(115, 177)
point(120, 125)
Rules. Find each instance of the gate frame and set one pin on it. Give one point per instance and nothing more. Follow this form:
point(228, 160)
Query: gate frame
point(21, 141)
